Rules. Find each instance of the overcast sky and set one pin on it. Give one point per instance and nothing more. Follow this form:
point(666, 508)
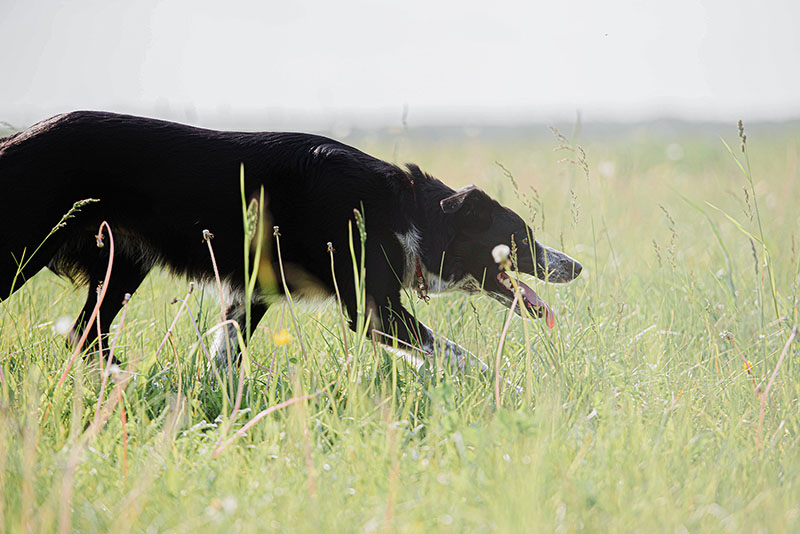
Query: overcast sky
point(310, 62)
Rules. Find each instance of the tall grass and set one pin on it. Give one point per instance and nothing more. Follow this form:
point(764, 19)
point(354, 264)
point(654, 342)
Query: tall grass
point(665, 398)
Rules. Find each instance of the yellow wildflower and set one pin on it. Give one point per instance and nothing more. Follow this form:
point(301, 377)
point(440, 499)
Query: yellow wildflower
point(282, 338)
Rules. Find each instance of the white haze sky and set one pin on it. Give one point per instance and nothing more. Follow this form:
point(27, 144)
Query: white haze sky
point(298, 63)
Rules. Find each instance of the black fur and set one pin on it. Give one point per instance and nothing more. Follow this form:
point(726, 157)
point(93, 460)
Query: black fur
point(160, 184)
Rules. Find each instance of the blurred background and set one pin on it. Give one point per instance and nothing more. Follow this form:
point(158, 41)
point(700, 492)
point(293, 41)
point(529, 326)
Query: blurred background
point(350, 65)
point(649, 392)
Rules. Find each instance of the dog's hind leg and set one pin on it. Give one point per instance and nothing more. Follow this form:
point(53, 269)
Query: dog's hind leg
point(225, 347)
point(126, 276)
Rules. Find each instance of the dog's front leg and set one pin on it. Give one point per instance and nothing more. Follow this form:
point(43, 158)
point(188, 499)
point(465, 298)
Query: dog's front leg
point(459, 358)
point(455, 356)
point(410, 338)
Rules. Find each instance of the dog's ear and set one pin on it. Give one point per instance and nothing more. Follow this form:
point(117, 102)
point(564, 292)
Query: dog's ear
point(470, 206)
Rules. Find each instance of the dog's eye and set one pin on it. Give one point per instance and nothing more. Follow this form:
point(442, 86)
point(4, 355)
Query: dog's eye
point(524, 241)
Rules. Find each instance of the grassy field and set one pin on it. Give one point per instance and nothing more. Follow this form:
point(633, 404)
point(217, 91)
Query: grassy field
point(659, 402)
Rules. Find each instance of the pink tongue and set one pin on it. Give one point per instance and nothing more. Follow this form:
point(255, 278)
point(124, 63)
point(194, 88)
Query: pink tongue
point(531, 298)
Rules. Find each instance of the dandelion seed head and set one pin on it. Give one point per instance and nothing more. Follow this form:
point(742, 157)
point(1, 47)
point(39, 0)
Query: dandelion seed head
point(607, 169)
point(62, 325)
point(674, 152)
point(500, 253)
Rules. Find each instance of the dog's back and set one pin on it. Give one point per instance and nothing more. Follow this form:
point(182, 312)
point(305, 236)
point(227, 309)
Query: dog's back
point(160, 184)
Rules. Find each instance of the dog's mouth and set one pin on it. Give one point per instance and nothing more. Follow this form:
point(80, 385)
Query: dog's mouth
point(533, 303)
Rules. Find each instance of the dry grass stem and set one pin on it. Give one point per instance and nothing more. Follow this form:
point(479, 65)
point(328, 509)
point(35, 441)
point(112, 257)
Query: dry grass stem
point(262, 414)
point(765, 395)
point(96, 311)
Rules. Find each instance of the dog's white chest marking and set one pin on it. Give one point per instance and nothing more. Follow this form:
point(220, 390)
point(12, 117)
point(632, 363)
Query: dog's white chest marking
point(410, 241)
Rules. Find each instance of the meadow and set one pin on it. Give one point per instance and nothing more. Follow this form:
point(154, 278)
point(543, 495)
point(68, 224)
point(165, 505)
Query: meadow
point(666, 398)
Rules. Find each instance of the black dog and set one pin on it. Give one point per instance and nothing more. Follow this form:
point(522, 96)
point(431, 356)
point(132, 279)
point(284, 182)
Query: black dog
point(159, 185)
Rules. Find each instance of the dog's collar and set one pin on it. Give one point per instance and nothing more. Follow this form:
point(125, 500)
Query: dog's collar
point(421, 286)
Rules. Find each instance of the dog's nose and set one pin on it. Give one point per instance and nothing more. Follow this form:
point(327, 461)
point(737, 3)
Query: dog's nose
point(576, 269)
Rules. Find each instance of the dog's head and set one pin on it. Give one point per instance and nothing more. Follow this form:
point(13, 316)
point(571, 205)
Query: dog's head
point(479, 223)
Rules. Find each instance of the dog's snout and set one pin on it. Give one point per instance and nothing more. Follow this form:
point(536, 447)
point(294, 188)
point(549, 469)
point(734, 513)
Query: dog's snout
point(576, 269)
point(554, 266)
